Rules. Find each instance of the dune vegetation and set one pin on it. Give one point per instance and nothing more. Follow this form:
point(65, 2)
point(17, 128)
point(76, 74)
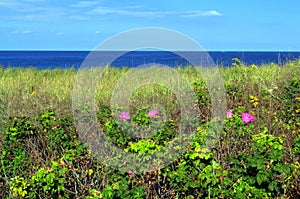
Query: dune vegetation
point(255, 152)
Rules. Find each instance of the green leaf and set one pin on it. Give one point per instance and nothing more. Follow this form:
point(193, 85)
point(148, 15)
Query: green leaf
point(215, 180)
point(260, 178)
point(47, 188)
point(61, 180)
point(272, 185)
point(208, 169)
point(286, 169)
point(50, 178)
point(227, 181)
point(55, 164)
point(278, 168)
point(60, 188)
point(62, 171)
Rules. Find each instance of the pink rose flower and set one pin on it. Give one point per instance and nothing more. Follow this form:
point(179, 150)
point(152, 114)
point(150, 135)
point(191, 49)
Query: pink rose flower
point(247, 118)
point(124, 116)
point(229, 113)
point(153, 113)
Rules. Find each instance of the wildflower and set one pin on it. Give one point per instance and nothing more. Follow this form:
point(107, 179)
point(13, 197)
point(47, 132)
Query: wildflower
point(90, 172)
point(254, 100)
point(61, 161)
point(124, 116)
point(153, 113)
point(229, 113)
point(131, 173)
point(247, 118)
point(32, 94)
point(115, 185)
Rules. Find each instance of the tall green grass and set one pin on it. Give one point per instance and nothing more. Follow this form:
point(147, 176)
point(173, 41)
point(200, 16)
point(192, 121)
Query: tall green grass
point(28, 91)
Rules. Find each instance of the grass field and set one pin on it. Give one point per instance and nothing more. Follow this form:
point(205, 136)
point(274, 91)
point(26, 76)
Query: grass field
point(43, 157)
point(28, 91)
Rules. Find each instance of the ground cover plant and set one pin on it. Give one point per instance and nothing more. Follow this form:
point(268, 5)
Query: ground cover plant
point(257, 153)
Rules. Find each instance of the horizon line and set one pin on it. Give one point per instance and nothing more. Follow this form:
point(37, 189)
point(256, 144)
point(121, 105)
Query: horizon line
point(87, 50)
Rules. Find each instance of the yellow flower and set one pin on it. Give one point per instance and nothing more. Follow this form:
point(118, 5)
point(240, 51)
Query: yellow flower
point(254, 100)
point(61, 161)
point(49, 170)
point(90, 172)
point(115, 185)
point(32, 94)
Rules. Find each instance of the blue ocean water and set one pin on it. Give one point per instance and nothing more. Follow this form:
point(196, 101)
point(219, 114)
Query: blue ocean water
point(67, 59)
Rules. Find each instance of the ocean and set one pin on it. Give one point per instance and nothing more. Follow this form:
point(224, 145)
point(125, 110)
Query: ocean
point(74, 59)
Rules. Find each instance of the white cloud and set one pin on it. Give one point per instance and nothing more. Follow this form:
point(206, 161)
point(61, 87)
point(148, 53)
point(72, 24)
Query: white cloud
point(201, 13)
point(84, 4)
point(98, 32)
point(45, 17)
point(27, 10)
point(131, 11)
point(134, 7)
point(8, 3)
point(33, 1)
point(102, 10)
point(17, 3)
point(22, 32)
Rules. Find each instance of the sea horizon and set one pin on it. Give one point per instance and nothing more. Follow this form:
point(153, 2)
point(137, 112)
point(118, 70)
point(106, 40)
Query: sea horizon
point(44, 59)
point(86, 50)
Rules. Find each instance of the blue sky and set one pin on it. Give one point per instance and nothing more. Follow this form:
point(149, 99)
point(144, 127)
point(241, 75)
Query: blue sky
point(216, 25)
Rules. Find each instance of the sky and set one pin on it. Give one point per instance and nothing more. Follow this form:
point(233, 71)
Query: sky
point(230, 25)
